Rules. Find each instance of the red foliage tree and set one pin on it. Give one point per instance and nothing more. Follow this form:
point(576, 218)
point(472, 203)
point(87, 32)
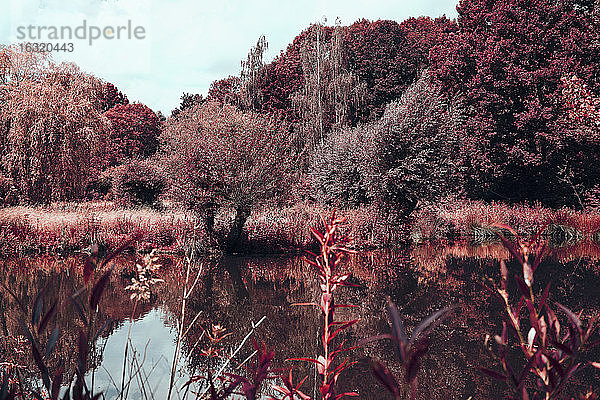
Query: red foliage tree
point(187, 101)
point(110, 96)
point(507, 61)
point(52, 131)
point(386, 55)
point(284, 76)
point(389, 56)
point(226, 90)
point(134, 133)
point(577, 160)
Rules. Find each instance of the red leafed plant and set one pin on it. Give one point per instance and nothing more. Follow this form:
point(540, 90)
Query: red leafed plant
point(259, 370)
point(223, 385)
point(290, 390)
point(552, 353)
point(333, 248)
point(410, 350)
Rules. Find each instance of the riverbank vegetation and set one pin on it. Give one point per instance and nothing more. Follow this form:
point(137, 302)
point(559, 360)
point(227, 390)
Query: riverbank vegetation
point(475, 136)
point(68, 227)
point(389, 122)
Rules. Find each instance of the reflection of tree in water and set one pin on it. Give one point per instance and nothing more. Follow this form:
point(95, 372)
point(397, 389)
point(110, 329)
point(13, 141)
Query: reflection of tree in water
point(237, 291)
point(274, 284)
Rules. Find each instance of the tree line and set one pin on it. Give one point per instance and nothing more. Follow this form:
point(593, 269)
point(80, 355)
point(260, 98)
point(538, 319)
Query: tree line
point(499, 104)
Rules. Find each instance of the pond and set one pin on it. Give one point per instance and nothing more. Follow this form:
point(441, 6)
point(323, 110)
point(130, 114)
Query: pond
point(236, 292)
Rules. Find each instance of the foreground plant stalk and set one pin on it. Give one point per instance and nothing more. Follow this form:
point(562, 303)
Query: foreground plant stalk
point(552, 354)
point(333, 248)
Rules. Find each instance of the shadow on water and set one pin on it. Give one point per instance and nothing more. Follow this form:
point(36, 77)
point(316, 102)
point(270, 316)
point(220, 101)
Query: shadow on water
point(237, 291)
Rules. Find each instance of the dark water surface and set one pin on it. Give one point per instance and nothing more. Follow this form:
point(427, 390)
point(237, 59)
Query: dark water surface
point(238, 291)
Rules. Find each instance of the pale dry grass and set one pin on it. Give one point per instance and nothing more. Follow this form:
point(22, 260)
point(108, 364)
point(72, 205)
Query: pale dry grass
point(66, 227)
point(465, 218)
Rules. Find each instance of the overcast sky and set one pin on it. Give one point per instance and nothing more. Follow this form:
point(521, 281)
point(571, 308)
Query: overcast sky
point(184, 45)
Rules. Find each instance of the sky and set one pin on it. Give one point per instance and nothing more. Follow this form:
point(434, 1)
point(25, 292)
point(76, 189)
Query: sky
point(167, 47)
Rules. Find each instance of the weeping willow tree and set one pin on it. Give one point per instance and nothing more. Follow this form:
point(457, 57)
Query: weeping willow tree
point(331, 92)
point(52, 128)
point(253, 76)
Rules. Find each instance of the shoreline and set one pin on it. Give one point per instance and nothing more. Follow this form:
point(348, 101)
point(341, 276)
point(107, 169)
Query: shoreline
point(66, 228)
point(69, 228)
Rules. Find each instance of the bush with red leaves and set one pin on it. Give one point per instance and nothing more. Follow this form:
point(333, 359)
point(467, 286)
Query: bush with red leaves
point(134, 133)
point(137, 182)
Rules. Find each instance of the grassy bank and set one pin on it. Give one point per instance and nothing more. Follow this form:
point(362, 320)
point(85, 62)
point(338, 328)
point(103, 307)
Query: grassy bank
point(476, 220)
point(69, 227)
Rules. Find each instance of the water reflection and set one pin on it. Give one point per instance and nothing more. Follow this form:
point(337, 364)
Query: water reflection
point(237, 291)
point(152, 339)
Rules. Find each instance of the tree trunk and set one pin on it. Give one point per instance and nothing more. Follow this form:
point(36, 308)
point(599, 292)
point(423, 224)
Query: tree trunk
point(235, 234)
point(239, 288)
point(209, 213)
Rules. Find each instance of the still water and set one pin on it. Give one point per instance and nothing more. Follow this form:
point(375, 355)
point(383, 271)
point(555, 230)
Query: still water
point(236, 292)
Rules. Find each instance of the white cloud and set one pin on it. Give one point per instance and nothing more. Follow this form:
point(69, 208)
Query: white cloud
point(190, 43)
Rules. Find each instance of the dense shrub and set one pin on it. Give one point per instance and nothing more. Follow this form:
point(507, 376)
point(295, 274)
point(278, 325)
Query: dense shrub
point(137, 182)
point(134, 132)
point(99, 185)
point(418, 148)
point(216, 156)
point(412, 154)
point(341, 171)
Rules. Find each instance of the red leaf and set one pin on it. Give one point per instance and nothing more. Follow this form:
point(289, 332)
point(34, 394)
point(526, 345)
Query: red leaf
point(318, 235)
point(49, 314)
point(511, 248)
point(522, 286)
point(575, 321)
point(98, 289)
point(135, 237)
point(341, 328)
point(528, 367)
point(386, 378)
point(88, 268)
